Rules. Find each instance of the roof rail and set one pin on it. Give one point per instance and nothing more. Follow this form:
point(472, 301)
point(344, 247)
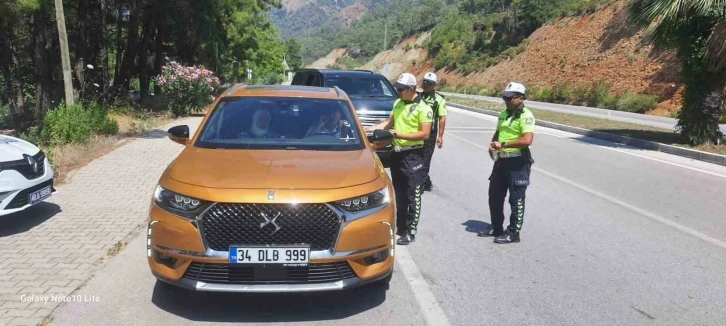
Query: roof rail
point(234, 88)
point(339, 91)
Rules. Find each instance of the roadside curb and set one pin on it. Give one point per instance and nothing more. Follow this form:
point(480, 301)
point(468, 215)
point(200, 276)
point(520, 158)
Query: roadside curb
point(644, 144)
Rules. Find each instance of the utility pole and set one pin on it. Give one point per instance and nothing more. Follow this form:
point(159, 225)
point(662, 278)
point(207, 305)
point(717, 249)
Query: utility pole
point(65, 57)
point(385, 37)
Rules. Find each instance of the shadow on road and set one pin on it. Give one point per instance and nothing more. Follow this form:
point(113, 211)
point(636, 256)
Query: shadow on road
point(475, 226)
point(636, 141)
point(236, 307)
point(24, 221)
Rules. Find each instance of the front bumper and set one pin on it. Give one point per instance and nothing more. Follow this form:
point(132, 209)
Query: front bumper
point(341, 285)
point(177, 255)
point(15, 188)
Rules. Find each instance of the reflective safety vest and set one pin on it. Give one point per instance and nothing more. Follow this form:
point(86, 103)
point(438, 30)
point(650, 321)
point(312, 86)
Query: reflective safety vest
point(512, 126)
point(407, 116)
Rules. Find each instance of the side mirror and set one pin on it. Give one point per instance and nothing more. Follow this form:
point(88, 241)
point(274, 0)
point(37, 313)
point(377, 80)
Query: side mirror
point(380, 138)
point(382, 135)
point(179, 134)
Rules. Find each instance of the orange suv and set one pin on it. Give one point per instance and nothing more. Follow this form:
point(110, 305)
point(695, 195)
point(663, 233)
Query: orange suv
point(278, 190)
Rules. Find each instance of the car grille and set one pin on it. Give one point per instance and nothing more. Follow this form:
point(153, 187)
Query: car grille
point(369, 120)
point(245, 275)
point(242, 224)
point(21, 199)
point(24, 168)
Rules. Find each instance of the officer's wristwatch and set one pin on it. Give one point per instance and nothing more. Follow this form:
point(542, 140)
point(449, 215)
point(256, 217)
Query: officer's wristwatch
point(504, 144)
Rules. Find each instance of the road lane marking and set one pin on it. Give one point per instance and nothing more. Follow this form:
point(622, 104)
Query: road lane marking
point(470, 128)
point(617, 202)
point(426, 299)
point(484, 117)
point(470, 131)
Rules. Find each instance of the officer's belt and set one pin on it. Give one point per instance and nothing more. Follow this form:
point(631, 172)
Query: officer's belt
point(405, 148)
point(509, 154)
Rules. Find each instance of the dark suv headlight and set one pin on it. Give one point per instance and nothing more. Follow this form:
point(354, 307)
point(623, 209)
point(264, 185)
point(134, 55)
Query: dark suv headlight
point(178, 204)
point(357, 204)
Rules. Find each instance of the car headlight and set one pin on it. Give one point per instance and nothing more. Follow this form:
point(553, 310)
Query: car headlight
point(357, 204)
point(178, 204)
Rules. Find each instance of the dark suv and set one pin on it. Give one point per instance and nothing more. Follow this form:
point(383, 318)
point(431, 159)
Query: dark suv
point(371, 93)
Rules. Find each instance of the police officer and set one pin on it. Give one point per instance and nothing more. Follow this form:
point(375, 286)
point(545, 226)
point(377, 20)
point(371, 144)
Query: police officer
point(513, 160)
point(437, 102)
point(410, 123)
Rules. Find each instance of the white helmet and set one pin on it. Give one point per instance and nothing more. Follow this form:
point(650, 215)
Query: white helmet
point(431, 77)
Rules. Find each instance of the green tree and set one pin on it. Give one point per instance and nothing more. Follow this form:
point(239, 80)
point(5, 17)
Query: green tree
point(294, 54)
point(696, 30)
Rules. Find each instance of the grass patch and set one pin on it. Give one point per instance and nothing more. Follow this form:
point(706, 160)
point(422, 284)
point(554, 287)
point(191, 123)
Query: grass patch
point(46, 321)
point(116, 248)
point(636, 131)
point(67, 158)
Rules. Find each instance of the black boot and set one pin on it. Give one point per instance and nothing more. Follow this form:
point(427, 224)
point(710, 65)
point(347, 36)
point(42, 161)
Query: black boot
point(428, 186)
point(406, 239)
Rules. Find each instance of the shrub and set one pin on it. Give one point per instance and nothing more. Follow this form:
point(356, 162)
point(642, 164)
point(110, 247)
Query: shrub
point(561, 93)
point(610, 102)
point(637, 103)
point(75, 124)
point(5, 117)
point(188, 89)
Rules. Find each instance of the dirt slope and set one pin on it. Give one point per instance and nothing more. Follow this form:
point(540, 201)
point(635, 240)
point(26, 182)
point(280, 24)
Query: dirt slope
point(581, 50)
point(329, 59)
point(584, 50)
point(407, 53)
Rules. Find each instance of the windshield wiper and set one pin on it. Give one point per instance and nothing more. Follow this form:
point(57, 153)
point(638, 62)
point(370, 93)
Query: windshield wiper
point(291, 148)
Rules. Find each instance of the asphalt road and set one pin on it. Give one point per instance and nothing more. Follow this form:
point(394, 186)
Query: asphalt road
point(641, 119)
point(612, 236)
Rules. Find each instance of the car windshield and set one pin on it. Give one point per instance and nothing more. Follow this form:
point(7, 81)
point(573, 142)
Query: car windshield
point(281, 123)
point(362, 86)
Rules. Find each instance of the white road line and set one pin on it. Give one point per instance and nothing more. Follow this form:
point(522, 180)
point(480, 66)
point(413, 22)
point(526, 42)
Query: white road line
point(485, 117)
point(474, 128)
point(618, 202)
point(470, 131)
point(426, 299)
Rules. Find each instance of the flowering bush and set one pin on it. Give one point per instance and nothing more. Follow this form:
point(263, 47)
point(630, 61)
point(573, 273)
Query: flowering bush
point(188, 89)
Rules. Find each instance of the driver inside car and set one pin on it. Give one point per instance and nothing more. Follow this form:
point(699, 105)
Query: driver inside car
point(260, 126)
point(330, 123)
point(327, 123)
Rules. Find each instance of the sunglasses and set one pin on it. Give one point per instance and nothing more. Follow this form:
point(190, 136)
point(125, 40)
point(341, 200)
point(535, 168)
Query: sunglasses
point(509, 98)
point(426, 82)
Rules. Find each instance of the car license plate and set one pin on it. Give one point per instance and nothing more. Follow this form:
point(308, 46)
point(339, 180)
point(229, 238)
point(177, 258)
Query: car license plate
point(285, 256)
point(40, 195)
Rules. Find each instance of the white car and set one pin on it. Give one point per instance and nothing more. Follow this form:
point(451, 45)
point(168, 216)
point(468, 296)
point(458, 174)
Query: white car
point(26, 177)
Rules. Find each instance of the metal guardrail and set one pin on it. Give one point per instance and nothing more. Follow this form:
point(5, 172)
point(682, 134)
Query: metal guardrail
point(644, 144)
point(637, 118)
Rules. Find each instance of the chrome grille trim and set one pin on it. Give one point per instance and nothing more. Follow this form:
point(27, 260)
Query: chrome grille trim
point(225, 224)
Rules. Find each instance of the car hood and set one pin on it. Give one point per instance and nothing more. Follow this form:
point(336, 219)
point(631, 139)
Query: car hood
point(363, 104)
point(273, 169)
point(12, 148)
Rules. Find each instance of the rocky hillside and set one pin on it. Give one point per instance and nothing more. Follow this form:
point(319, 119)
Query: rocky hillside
point(597, 47)
point(297, 17)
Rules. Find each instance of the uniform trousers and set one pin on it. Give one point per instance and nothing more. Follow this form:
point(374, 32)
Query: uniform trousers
point(429, 146)
point(508, 174)
point(408, 175)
